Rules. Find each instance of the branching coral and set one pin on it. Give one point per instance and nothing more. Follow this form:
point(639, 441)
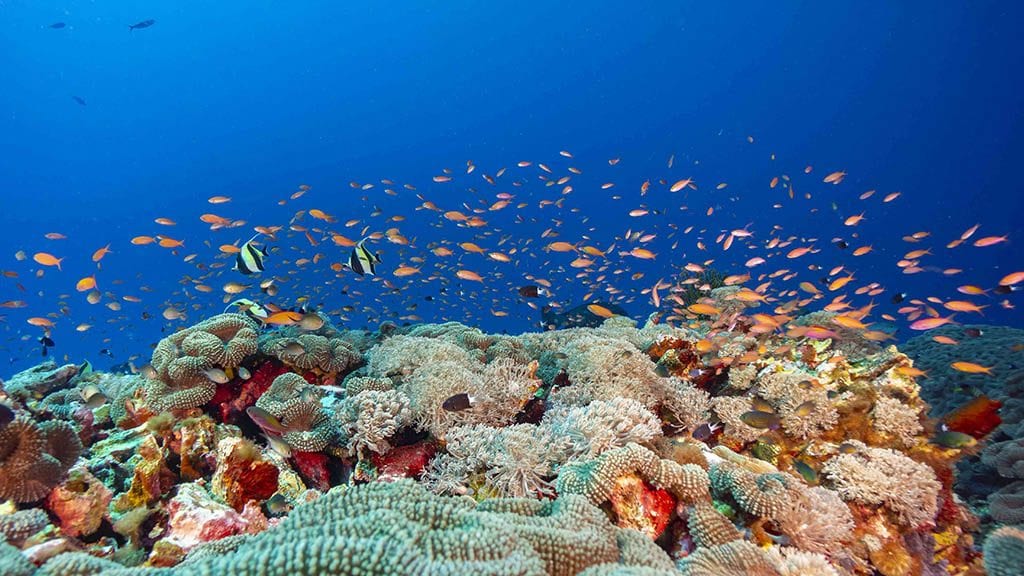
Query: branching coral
point(34, 457)
point(296, 403)
point(879, 476)
point(182, 361)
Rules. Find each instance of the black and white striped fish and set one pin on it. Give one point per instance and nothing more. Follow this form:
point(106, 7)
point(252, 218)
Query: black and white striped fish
point(249, 259)
point(362, 261)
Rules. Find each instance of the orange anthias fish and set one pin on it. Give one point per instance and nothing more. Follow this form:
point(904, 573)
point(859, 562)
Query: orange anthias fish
point(971, 368)
point(978, 417)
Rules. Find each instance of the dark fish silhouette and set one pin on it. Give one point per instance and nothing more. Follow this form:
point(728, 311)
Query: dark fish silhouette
point(143, 24)
point(458, 403)
point(58, 25)
point(6, 415)
point(79, 99)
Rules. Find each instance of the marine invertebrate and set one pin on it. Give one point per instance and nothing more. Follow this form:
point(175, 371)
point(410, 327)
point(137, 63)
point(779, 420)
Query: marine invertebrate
point(314, 352)
point(296, 404)
point(879, 476)
point(729, 409)
point(497, 392)
point(709, 527)
point(1006, 457)
point(762, 495)
point(355, 384)
point(371, 417)
point(736, 557)
point(516, 461)
point(40, 380)
point(13, 563)
point(606, 368)
point(816, 519)
point(182, 361)
point(34, 457)
point(80, 503)
point(685, 404)
point(896, 420)
point(19, 525)
point(603, 425)
point(399, 528)
point(399, 356)
point(1006, 505)
point(596, 478)
point(1004, 551)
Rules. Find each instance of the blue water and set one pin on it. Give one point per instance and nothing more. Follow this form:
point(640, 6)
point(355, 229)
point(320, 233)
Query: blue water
point(252, 99)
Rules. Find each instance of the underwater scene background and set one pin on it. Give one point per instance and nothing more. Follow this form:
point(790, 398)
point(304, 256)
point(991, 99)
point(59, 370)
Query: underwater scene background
point(511, 288)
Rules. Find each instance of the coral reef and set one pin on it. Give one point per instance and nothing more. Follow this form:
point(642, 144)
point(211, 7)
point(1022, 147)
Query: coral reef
point(437, 448)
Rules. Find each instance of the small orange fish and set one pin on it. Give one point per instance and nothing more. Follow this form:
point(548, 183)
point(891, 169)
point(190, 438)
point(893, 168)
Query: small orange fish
point(990, 241)
point(86, 284)
point(971, 368)
point(47, 259)
point(469, 275)
point(99, 254)
point(599, 310)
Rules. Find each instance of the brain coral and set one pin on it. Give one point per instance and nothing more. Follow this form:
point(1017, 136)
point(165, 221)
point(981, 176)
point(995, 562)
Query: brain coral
point(181, 360)
point(34, 457)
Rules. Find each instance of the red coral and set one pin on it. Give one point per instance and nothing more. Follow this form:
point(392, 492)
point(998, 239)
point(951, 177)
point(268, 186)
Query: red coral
point(404, 461)
point(978, 417)
point(313, 468)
